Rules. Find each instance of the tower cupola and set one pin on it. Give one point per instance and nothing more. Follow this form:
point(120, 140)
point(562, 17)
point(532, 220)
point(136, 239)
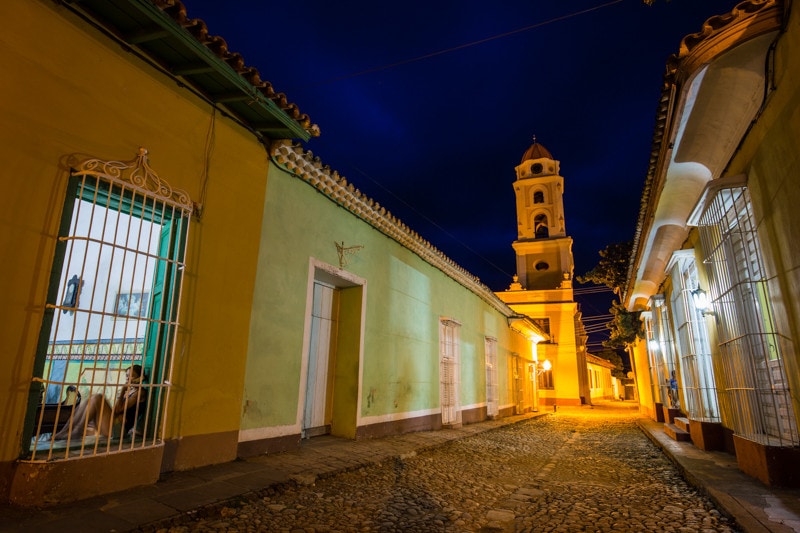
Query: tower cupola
point(537, 161)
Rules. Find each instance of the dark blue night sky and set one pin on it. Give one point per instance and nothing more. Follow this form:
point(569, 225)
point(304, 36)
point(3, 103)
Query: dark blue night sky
point(427, 107)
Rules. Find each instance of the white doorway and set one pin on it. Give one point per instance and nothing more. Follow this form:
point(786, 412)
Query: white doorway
point(330, 375)
point(321, 360)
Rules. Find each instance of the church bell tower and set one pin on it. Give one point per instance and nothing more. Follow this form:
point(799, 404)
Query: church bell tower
point(544, 251)
point(542, 288)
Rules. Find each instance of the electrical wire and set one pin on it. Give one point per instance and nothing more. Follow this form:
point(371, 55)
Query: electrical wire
point(431, 221)
point(461, 46)
point(588, 290)
point(591, 290)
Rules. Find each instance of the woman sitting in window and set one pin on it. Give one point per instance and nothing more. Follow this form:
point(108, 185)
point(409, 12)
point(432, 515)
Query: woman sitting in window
point(97, 417)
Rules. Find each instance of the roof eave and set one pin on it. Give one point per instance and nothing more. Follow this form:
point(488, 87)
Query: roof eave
point(747, 21)
point(164, 40)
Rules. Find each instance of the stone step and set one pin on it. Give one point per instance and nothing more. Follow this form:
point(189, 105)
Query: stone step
point(676, 433)
point(682, 422)
point(670, 413)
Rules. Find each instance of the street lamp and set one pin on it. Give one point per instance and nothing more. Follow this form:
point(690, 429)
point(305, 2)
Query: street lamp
point(701, 301)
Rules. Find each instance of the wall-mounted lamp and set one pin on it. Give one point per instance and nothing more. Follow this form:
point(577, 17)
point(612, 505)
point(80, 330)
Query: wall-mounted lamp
point(701, 301)
point(540, 368)
point(543, 366)
point(653, 345)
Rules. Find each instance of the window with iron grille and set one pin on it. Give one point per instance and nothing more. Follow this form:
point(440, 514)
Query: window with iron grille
point(759, 404)
point(449, 371)
point(653, 367)
point(691, 342)
point(660, 347)
point(492, 400)
point(106, 343)
point(546, 379)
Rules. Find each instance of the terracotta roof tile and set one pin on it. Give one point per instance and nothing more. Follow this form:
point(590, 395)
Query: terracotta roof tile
point(197, 27)
point(536, 151)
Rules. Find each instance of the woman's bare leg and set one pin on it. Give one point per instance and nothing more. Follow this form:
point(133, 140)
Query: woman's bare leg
point(104, 418)
point(96, 411)
point(76, 421)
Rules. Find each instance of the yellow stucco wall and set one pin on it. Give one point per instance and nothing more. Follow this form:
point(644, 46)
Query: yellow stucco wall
point(603, 388)
point(644, 385)
point(562, 351)
point(76, 95)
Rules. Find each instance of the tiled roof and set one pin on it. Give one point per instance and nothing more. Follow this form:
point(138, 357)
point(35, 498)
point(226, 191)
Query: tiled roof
point(162, 33)
point(197, 27)
point(536, 151)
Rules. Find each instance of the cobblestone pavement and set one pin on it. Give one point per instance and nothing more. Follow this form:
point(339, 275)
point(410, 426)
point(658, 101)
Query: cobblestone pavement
point(584, 470)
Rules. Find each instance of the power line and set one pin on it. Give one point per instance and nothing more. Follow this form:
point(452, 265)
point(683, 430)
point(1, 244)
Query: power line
point(589, 318)
point(461, 46)
point(431, 221)
point(591, 290)
point(588, 290)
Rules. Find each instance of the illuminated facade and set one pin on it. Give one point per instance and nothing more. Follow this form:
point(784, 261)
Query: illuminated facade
point(602, 385)
point(542, 289)
point(715, 264)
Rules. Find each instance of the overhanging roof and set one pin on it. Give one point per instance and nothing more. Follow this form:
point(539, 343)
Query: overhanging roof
point(183, 47)
point(529, 329)
point(713, 89)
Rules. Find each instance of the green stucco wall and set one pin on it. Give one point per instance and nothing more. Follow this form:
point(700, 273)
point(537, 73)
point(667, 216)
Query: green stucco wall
point(405, 298)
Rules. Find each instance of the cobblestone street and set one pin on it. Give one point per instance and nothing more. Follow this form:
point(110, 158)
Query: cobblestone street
point(573, 470)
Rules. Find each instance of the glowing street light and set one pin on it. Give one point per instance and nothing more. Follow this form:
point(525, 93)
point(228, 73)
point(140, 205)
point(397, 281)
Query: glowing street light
point(540, 367)
point(701, 301)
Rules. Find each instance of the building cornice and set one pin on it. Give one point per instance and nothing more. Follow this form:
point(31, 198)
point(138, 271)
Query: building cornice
point(599, 361)
point(307, 167)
